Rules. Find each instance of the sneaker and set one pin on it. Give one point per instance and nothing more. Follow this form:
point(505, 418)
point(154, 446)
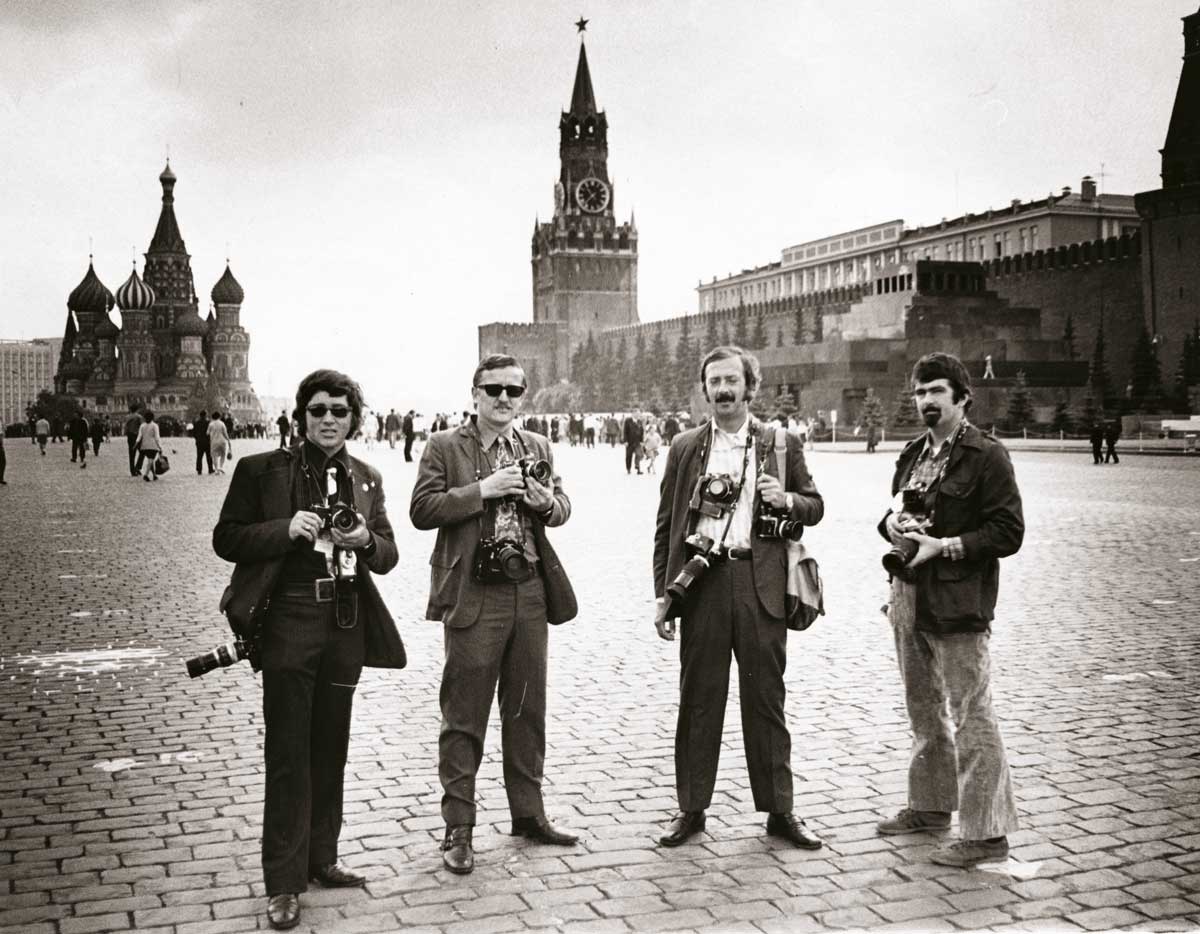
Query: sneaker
point(913, 821)
point(967, 853)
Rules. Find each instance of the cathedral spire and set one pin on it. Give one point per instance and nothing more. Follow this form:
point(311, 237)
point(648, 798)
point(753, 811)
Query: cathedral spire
point(167, 238)
point(583, 98)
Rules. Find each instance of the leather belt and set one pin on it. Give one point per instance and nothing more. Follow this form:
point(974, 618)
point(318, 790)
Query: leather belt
point(322, 590)
point(733, 554)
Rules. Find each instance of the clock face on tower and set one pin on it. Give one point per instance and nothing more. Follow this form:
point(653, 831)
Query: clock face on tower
point(592, 195)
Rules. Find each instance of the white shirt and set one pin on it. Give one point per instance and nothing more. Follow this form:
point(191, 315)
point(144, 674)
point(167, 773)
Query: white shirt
point(725, 455)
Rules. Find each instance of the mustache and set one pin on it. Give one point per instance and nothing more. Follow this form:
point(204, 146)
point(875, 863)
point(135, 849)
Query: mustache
point(725, 396)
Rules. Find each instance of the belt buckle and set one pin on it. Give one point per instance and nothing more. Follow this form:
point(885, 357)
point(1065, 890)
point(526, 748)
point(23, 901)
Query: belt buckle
point(324, 589)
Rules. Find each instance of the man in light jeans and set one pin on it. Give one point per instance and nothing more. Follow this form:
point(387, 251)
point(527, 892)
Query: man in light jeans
point(957, 511)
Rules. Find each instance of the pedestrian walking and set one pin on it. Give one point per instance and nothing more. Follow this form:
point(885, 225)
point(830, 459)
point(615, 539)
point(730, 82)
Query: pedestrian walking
point(310, 597)
point(1112, 434)
point(42, 433)
point(392, 427)
point(946, 573)
point(612, 430)
point(218, 443)
point(1096, 437)
point(651, 440)
point(284, 424)
point(496, 582)
point(728, 469)
point(149, 445)
point(409, 434)
point(133, 425)
point(99, 431)
point(78, 430)
point(634, 435)
point(203, 445)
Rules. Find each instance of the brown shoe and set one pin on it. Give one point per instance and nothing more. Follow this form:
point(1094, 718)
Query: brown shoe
point(685, 826)
point(793, 829)
point(458, 855)
point(283, 911)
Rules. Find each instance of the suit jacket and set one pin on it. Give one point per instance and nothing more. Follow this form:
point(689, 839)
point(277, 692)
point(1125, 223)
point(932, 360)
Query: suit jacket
point(446, 497)
point(633, 431)
point(252, 531)
point(979, 502)
point(769, 555)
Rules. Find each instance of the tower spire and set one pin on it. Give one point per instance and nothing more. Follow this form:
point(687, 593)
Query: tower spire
point(583, 98)
point(1181, 150)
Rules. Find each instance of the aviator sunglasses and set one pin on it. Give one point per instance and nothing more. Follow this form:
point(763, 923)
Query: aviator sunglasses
point(319, 410)
point(494, 390)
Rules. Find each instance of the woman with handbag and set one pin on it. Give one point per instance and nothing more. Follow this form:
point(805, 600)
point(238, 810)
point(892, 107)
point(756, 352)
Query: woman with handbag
point(149, 445)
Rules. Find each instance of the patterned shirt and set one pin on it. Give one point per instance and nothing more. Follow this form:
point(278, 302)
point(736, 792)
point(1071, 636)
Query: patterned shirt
point(726, 452)
point(924, 475)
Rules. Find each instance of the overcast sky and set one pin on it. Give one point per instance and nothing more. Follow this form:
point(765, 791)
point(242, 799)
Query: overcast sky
point(376, 167)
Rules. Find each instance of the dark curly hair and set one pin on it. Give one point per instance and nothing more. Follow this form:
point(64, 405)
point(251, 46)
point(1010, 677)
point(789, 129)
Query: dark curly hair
point(751, 371)
point(334, 383)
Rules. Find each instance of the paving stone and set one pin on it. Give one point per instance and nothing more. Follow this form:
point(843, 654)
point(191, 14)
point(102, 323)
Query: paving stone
point(1104, 919)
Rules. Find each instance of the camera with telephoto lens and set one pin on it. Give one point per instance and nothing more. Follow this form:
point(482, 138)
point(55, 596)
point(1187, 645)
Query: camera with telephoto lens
point(912, 512)
point(222, 657)
point(337, 516)
point(536, 468)
point(715, 492)
point(699, 549)
point(777, 523)
point(501, 561)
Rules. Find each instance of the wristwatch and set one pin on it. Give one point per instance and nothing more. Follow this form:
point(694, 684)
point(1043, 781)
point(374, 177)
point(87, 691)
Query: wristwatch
point(369, 548)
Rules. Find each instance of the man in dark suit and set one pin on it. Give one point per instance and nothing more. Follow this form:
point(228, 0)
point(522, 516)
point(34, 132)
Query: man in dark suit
point(410, 432)
point(471, 488)
point(719, 477)
point(634, 434)
point(203, 445)
point(78, 430)
point(302, 589)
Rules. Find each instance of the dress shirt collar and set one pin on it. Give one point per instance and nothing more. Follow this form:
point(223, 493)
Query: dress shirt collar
point(735, 438)
point(318, 459)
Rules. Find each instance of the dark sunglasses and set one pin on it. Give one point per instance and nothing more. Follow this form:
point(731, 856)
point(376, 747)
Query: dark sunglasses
point(319, 410)
point(494, 390)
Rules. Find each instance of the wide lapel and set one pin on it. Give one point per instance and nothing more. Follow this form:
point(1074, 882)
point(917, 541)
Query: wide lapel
point(277, 497)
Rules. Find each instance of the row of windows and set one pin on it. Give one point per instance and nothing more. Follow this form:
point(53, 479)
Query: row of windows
point(802, 281)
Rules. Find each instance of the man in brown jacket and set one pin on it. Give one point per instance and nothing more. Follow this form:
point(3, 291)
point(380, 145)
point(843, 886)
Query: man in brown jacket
point(495, 584)
point(719, 479)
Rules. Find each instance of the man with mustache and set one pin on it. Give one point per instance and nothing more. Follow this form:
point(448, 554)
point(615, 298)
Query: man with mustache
point(472, 488)
point(941, 609)
point(718, 478)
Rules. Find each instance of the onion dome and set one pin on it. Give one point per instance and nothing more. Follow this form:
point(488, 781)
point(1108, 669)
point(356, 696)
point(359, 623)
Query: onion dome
point(190, 324)
point(227, 291)
point(134, 295)
point(106, 330)
point(90, 295)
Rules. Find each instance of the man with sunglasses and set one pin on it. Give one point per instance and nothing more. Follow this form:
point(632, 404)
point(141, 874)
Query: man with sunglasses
point(472, 488)
point(307, 527)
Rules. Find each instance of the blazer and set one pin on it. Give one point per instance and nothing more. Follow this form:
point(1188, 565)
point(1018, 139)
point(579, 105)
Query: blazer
point(978, 501)
point(769, 556)
point(252, 531)
point(446, 497)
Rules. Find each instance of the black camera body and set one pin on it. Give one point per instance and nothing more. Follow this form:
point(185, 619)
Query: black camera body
point(338, 516)
point(699, 549)
point(895, 562)
point(501, 561)
point(536, 468)
point(777, 524)
point(715, 493)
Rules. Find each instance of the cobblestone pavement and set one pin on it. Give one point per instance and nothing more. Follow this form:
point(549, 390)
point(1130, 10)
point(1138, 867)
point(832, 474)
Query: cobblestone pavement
point(130, 797)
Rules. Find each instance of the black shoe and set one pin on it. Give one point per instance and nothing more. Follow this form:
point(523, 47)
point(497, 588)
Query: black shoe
point(793, 829)
point(334, 876)
point(283, 911)
point(685, 826)
point(540, 830)
point(457, 853)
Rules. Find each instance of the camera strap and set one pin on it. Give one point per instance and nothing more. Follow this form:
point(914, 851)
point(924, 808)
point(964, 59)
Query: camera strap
point(694, 517)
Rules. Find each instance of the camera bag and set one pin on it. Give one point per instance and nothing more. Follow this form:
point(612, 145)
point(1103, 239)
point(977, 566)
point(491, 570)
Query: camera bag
point(805, 598)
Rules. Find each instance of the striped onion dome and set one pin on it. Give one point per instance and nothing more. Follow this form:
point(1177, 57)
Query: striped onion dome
point(134, 295)
point(190, 324)
point(227, 291)
point(106, 330)
point(91, 294)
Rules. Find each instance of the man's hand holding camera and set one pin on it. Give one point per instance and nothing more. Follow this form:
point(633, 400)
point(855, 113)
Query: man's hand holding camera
point(309, 525)
point(771, 491)
point(306, 525)
point(902, 526)
point(513, 481)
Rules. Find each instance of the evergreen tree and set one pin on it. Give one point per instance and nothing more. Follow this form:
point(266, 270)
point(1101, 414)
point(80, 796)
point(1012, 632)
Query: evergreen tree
point(684, 371)
point(207, 395)
point(725, 333)
point(779, 337)
point(785, 402)
point(758, 338)
point(798, 329)
point(741, 328)
point(643, 370)
point(1098, 379)
point(905, 413)
point(622, 390)
point(1062, 417)
point(1089, 412)
point(533, 381)
point(1146, 377)
point(711, 337)
point(1020, 404)
point(1185, 374)
point(871, 415)
point(1069, 337)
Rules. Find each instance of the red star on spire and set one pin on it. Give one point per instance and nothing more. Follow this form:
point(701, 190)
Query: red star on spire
point(581, 25)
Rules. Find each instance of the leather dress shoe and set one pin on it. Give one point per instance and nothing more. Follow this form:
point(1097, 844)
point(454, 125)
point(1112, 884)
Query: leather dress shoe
point(283, 911)
point(793, 829)
point(457, 853)
point(541, 830)
point(685, 826)
point(334, 876)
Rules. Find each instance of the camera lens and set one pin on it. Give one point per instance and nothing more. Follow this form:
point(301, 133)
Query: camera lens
point(344, 519)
